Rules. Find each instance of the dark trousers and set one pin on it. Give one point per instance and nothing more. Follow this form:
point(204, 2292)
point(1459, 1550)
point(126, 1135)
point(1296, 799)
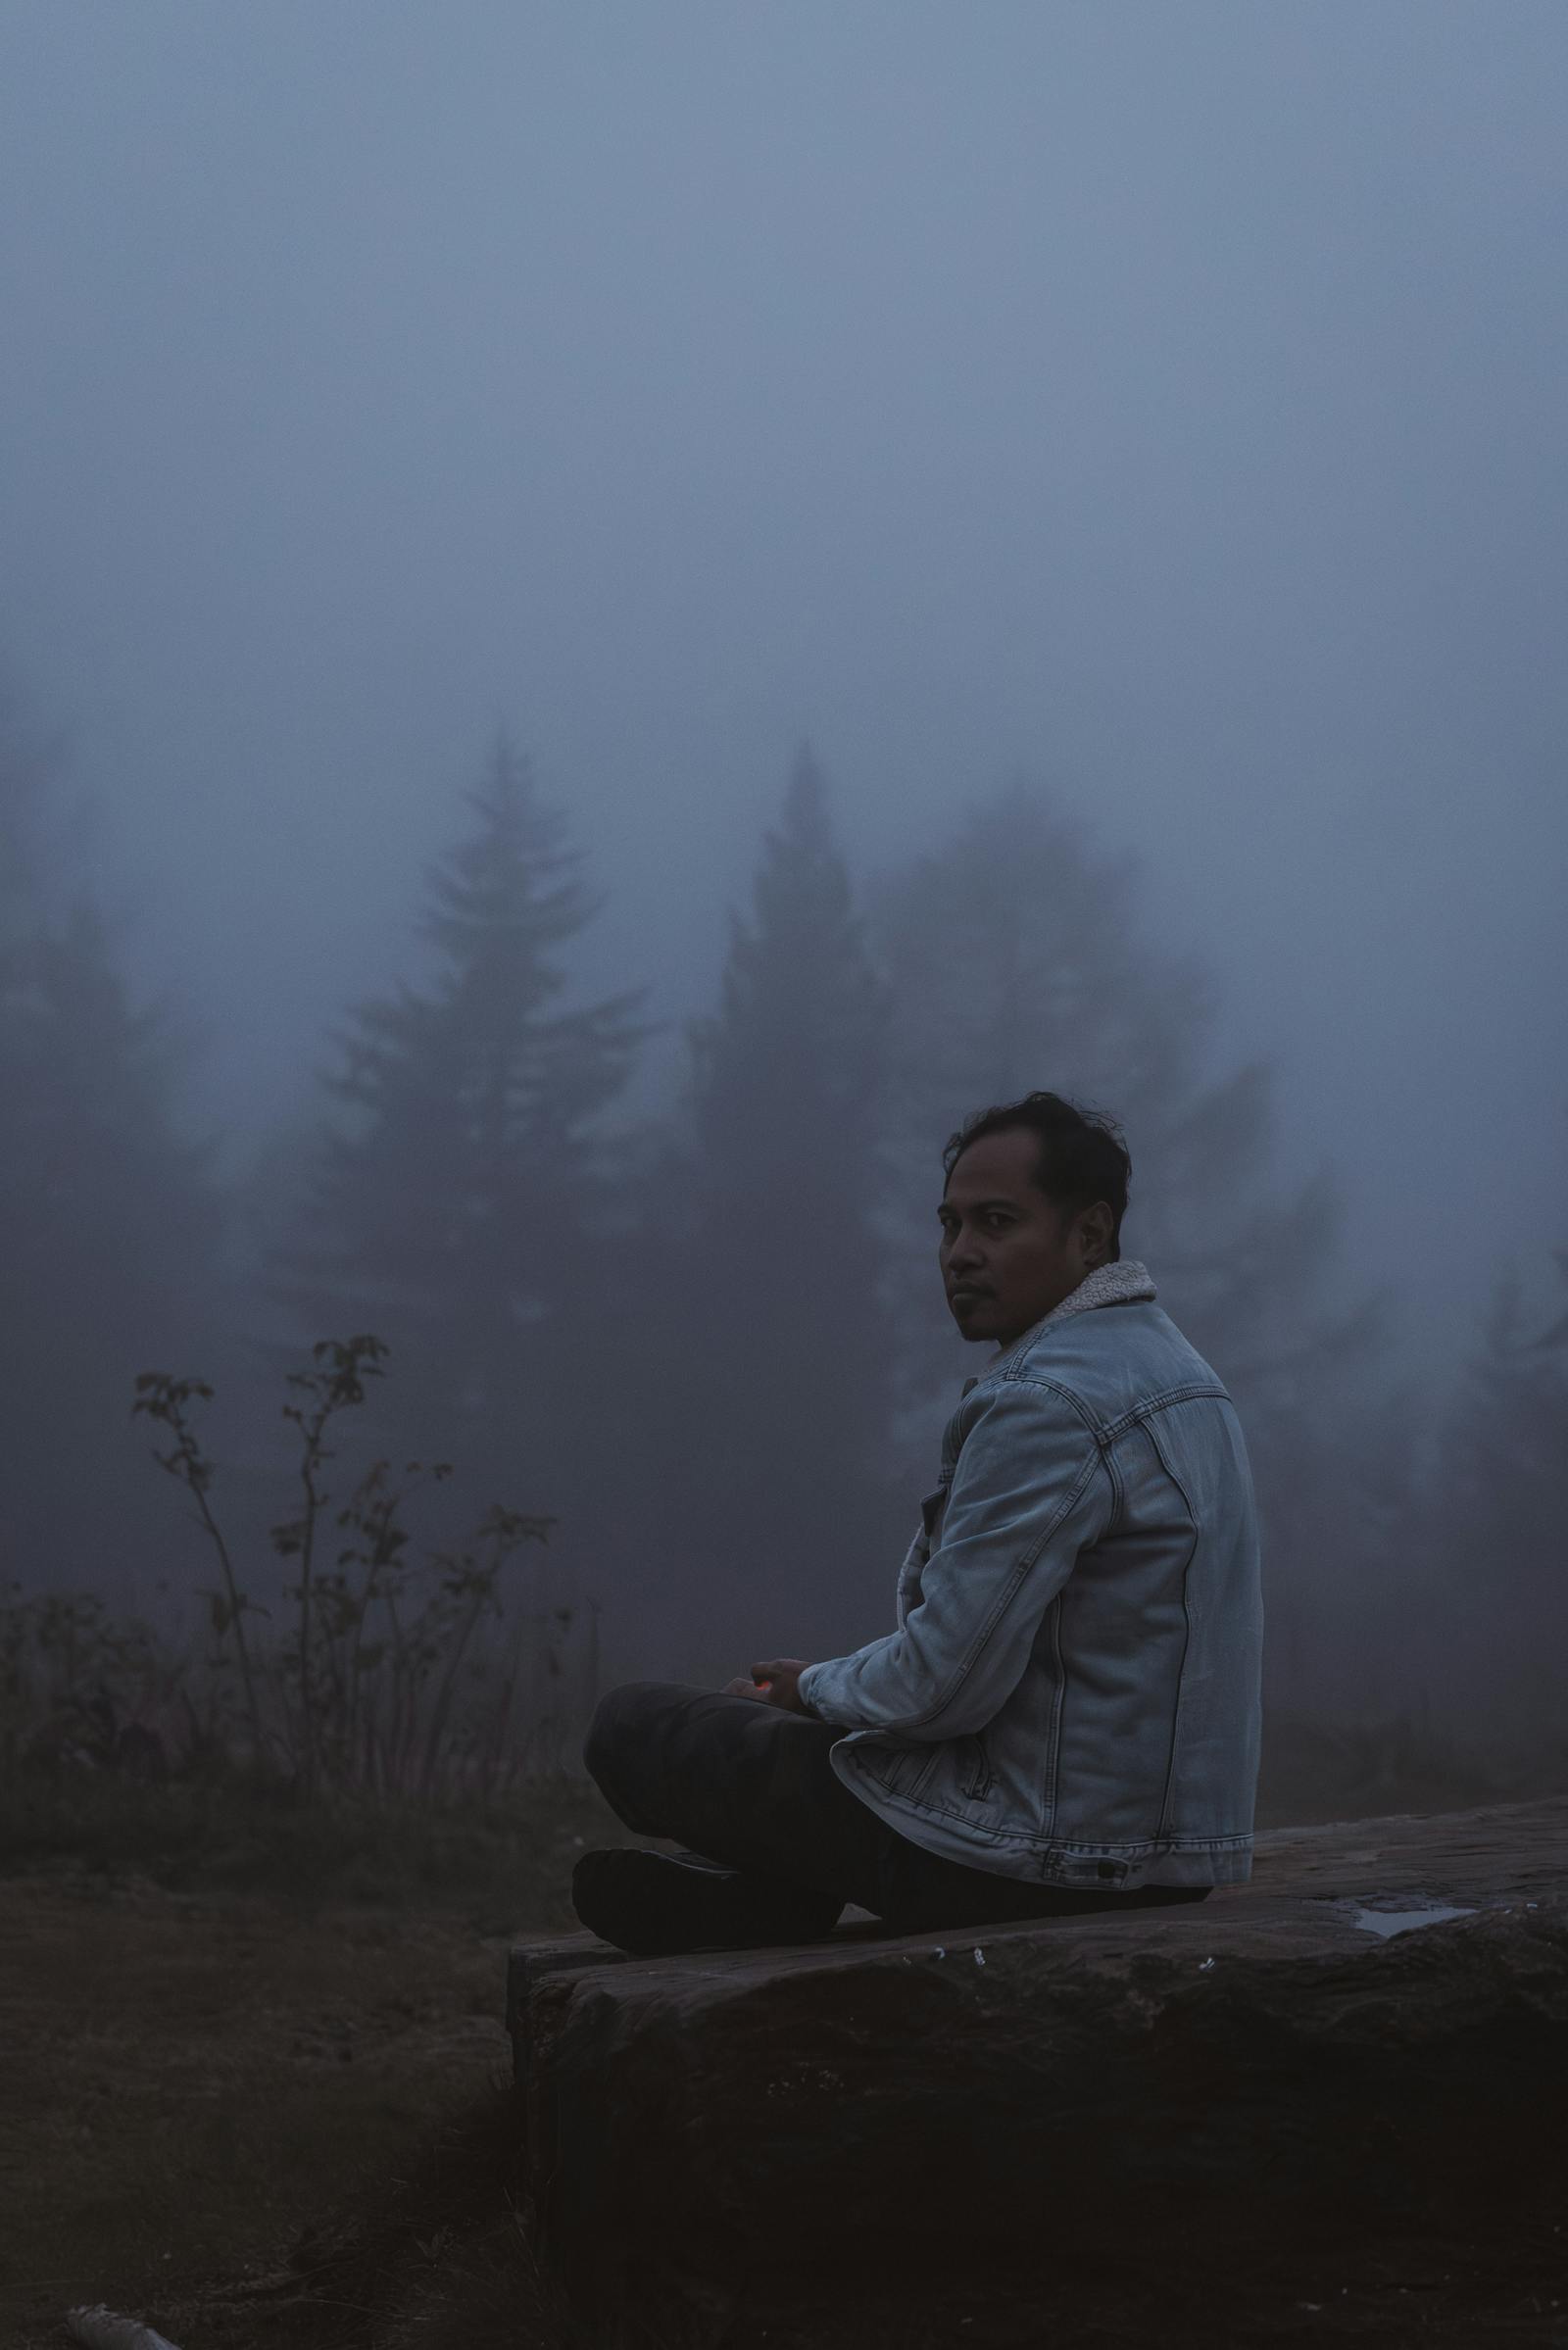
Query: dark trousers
point(752, 1787)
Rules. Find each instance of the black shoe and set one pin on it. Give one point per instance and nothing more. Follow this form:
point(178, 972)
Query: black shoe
point(653, 1904)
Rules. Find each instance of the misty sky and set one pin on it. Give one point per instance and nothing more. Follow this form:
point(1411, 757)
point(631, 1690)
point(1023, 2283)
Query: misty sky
point(1166, 401)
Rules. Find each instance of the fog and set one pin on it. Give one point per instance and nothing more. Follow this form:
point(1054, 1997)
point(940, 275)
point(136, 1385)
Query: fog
point(1162, 406)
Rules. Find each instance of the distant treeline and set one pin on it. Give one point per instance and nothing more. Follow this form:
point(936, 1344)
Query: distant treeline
point(710, 1344)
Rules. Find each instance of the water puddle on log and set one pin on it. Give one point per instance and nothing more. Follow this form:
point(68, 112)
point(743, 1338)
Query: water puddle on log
point(1386, 1922)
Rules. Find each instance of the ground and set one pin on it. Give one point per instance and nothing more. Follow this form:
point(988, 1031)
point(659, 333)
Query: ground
point(269, 2123)
point(197, 2084)
point(257, 2082)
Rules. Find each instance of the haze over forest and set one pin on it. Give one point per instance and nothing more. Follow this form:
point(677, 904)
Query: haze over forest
point(1108, 438)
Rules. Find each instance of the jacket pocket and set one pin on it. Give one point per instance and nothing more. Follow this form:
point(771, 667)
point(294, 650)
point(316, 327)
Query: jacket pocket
point(907, 1769)
point(932, 1508)
point(976, 1778)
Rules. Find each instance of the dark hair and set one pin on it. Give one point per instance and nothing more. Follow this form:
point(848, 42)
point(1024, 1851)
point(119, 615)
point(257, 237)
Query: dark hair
point(1083, 1157)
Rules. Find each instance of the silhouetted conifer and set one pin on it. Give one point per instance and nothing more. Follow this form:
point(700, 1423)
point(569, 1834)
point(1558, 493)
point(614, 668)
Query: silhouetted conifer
point(1018, 960)
point(108, 1214)
point(779, 1259)
point(460, 1181)
point(1501, 1489)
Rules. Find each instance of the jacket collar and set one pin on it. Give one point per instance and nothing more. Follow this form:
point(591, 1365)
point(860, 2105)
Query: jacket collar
point(1118, 1284)
point(1125, 1282)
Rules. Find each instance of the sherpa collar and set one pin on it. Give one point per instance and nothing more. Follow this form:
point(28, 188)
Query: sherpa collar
point(1117, 1284)
point(1121, 1283)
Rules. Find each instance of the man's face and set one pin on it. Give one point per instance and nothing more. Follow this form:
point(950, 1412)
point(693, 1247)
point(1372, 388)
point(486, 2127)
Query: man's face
point(1008, 1253)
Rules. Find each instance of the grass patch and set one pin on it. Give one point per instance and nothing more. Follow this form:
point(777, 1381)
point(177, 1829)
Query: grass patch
point(225, 1835)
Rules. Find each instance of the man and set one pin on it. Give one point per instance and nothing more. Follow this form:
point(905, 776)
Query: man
point(1066, 1716)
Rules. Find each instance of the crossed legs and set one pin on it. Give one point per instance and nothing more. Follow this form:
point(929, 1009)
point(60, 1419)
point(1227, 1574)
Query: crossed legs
point(749, 1789)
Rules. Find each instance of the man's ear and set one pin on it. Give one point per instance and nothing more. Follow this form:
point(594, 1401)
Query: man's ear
point(1095, 1230)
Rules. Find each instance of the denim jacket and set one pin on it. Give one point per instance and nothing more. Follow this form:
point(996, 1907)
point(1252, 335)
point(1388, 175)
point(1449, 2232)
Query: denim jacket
point(1072, 1693)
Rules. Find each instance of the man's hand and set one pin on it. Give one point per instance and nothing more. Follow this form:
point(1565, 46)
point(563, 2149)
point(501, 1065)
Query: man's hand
point(776, 1682)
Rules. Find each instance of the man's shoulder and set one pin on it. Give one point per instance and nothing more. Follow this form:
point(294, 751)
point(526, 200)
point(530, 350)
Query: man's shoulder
point(1108, 1362)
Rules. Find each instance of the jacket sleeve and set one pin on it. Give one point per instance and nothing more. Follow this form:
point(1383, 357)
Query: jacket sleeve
point(1028, 1495)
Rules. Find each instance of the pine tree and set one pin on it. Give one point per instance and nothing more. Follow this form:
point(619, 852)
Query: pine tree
point(107, 1213)
point(1502, 1510)
point(460, 1181)
point(1016, 960)
point(779, 1263)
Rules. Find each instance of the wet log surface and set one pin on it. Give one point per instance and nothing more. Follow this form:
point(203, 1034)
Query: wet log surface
point(1323, 2058)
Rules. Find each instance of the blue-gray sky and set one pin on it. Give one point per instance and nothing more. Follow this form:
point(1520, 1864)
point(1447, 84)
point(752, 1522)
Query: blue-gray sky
point(1166, 401)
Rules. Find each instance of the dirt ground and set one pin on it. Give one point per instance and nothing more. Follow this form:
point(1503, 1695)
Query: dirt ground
point(196, 2084)
point(264, 2128)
